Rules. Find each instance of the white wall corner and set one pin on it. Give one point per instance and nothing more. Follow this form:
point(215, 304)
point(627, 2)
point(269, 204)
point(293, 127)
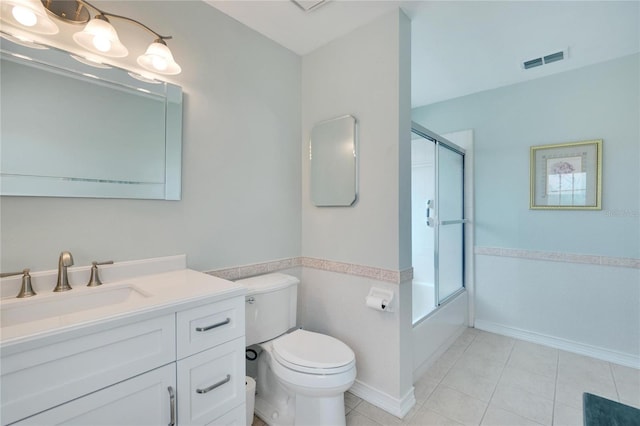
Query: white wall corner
point(397, 407)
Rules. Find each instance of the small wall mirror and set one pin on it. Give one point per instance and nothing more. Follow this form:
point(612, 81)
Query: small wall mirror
point(70, 129)
point(333, 155)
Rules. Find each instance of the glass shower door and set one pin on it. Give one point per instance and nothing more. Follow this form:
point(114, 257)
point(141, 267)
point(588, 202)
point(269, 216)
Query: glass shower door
point(437, 225)
point(423, 190)
point(450, 231)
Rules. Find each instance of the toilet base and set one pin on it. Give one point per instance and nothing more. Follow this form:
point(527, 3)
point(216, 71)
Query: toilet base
point(308, 411)
point(272, 415)
point(320, 411)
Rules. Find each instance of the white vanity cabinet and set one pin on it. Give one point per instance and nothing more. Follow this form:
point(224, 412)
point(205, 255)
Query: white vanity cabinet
point(210, 375)
point(183, 367)
point(142, 400)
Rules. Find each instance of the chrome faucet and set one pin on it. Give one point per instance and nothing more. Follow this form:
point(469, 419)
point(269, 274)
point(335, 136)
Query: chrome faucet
point(64, 262)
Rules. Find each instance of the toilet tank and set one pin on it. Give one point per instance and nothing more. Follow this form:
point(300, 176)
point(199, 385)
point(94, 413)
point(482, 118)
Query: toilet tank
point(270, 308)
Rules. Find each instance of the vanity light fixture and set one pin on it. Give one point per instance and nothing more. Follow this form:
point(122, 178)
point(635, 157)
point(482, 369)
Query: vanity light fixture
point(158, 58)
point(98, 35)
point(28, 14)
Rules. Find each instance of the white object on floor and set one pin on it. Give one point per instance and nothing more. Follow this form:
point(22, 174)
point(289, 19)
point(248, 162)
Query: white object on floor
point(250, 398)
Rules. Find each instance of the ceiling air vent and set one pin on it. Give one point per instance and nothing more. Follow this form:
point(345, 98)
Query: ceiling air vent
point(543, 60)
point(532, 63)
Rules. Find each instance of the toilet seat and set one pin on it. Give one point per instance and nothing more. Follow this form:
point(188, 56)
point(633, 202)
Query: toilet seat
point(313, 353)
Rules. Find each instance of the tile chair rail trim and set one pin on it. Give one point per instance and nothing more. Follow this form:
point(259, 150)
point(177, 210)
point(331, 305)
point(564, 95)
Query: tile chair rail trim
point(379, 274)
point(624, 262)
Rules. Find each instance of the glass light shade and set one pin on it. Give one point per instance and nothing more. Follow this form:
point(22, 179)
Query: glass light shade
point(91, 61)
point(158, 58)
point(100, 37)
point(23, 41)
point(27, 14)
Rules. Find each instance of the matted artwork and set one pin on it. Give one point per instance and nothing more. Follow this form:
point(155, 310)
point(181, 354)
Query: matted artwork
point(567, 176)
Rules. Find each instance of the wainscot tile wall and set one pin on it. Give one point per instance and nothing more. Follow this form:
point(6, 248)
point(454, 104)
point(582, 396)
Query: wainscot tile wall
point(379, 274)
point(624, 262)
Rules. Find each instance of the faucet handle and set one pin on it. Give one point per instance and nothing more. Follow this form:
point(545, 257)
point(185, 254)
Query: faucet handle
point(10, 274)
point(26, 290)
point(94, 278)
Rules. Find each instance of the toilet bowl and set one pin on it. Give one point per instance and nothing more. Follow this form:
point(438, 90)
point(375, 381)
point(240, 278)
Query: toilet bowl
point(302, 375)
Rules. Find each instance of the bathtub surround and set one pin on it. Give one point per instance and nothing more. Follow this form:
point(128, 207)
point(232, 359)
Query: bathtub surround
point(568, 279)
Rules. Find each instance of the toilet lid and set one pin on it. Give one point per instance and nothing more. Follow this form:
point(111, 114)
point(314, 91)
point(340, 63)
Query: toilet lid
point(309, 352)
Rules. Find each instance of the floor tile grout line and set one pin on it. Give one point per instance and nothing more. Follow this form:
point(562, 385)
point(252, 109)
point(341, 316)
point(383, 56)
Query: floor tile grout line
point(555, 388)
point(364, 415)
point(444, 385)
point(497, 383)
point(615, 383)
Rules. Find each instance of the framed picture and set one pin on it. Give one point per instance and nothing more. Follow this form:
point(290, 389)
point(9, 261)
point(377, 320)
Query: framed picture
point(567, 176)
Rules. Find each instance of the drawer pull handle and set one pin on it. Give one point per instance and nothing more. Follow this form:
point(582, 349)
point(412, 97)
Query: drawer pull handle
point(172, 405)
point(212, 326)
point(215, 385)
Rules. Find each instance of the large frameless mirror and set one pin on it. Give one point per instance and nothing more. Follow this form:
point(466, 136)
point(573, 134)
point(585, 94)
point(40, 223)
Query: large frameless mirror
point(333, 154)
point(69, 129)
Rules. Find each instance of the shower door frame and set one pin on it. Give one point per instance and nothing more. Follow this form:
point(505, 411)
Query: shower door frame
point(438, 140)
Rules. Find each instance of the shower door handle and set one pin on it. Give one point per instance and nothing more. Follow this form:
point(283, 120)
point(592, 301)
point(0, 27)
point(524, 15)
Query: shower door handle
point(430, 220)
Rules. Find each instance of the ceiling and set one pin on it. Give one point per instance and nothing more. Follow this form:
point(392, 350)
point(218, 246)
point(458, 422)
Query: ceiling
point(461, 47)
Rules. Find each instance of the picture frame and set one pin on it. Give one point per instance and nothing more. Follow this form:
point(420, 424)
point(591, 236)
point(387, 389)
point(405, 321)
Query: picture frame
point(566, 176)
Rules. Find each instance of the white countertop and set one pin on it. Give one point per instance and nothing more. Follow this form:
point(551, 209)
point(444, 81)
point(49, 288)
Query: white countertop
point(158, 294)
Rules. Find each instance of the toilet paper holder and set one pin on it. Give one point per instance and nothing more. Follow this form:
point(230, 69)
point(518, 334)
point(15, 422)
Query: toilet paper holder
point(379, 299)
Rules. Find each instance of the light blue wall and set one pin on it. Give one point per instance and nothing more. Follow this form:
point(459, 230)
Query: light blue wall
point(595, 102)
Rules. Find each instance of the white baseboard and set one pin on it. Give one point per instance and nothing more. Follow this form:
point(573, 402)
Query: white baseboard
point(384, 401)
point(559, 343)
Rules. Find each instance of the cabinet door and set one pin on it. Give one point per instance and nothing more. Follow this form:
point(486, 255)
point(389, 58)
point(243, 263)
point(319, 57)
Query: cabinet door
point(211, 383)
point(36, 377)
point(140, 401)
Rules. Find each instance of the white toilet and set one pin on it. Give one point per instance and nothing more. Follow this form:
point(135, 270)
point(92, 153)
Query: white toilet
point(302, 375)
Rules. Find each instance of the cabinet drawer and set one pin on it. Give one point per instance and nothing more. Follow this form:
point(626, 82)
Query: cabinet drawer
point(207, 326)
point(36, 379)
point(211, 383)
point(235, 417)
point(140, 401)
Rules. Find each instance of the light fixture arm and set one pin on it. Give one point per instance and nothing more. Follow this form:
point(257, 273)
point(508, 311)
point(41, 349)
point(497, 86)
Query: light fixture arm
point(104, 15)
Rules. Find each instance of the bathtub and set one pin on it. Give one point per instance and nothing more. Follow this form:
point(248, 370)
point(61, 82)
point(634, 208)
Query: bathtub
point(422, 299)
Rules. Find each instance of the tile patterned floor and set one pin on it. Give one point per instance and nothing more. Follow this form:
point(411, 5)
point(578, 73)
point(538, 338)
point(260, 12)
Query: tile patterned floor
point(488, 379)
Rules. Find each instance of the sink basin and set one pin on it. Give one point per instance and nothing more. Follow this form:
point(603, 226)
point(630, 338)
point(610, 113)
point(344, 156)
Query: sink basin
point(19, 311)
